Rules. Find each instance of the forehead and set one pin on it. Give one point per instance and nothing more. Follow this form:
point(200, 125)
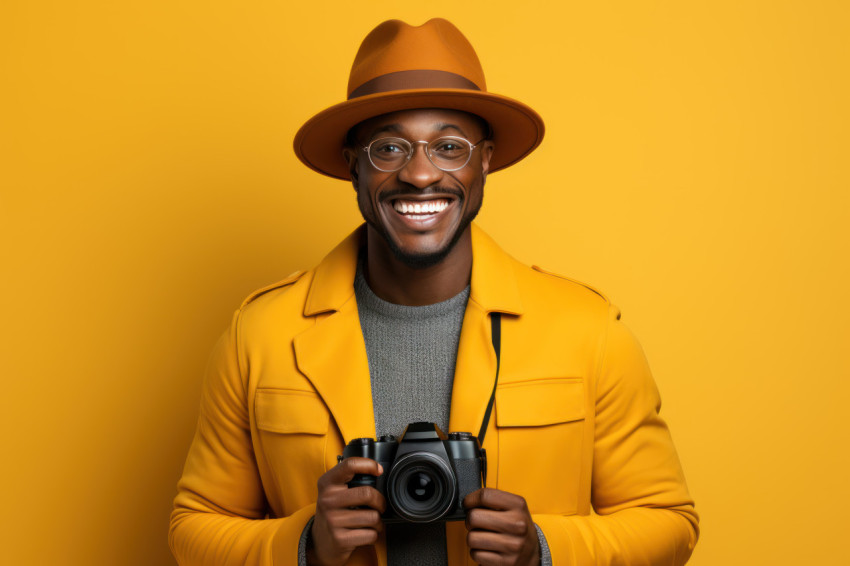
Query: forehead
point(421, 123)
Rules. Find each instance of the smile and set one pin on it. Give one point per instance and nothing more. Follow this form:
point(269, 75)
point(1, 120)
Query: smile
point(420, 208)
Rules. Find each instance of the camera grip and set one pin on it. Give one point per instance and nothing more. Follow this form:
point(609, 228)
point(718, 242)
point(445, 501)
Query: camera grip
point(469, 476)
point(361, 448)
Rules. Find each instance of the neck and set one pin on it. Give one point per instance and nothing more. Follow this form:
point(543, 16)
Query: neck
point(398, 283)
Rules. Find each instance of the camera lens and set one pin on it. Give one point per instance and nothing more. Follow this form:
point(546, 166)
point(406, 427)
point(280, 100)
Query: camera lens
point(421, 487)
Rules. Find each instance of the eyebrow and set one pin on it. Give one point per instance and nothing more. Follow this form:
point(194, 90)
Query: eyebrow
point(397, 129)
point(393, 128)
point(444, 126)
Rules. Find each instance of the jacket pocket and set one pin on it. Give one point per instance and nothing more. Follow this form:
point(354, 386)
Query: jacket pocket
point(290, 411)
point(293, 427)
point(540, 402)
point(541, 426)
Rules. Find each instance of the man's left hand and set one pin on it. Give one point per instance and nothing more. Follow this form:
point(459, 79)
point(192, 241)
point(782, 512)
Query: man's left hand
point(501, 532)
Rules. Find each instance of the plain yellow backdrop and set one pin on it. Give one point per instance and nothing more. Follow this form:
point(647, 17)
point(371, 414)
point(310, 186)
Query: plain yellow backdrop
point(695, 169)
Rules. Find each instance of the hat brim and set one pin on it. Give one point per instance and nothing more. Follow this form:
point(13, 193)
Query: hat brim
point(517, 129)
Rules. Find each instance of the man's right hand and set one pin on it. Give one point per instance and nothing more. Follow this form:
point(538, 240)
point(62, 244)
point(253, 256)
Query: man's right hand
point(345, 518)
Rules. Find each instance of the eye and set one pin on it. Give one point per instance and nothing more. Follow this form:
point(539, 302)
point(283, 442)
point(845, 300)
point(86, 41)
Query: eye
point(388, 147)
point(449, 148)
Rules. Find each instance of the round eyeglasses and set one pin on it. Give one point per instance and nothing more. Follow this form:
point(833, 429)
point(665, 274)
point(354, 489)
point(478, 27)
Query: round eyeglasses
point(448, 153)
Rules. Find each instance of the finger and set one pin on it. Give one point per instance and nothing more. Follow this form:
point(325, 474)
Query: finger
point(509, 522)
point(356, 537)
point(335, 544)
point(493, 499)
point(495, 542)
point(344, 498)
point(487, 558)
point(356, 519)
point(345, 471)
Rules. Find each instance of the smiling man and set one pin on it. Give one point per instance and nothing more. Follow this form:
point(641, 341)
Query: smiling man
point(419, 317)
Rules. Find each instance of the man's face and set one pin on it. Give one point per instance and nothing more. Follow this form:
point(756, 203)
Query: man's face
point(447, 201)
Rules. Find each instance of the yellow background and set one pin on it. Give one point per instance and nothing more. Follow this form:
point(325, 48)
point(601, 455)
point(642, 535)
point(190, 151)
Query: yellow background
point(695, 169)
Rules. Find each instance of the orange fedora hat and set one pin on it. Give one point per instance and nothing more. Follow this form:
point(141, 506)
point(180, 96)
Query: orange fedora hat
point(402, 67)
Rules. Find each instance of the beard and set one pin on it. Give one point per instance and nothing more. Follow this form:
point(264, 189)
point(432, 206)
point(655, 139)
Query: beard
point(424, 260)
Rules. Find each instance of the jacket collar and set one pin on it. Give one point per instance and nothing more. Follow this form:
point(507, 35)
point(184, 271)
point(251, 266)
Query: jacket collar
point(493, 282)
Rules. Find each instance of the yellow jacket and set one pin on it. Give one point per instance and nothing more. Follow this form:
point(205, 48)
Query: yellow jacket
point(575, 428)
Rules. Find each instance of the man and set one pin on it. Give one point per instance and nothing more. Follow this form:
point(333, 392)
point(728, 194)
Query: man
point(419, 316)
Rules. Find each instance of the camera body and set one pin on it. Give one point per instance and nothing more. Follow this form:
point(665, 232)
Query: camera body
point(426, 474)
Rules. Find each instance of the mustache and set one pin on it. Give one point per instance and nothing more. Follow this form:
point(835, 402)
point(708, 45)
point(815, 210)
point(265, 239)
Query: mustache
point(436, 190)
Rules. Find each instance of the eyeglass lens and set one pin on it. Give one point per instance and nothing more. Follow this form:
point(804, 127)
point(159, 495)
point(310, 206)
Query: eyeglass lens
point(447, 153)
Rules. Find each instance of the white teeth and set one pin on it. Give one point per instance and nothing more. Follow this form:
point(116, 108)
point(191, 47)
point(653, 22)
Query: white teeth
point(420, 209)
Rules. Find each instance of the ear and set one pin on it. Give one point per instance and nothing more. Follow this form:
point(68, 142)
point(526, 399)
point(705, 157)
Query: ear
point(350, 156)
point(487, 149)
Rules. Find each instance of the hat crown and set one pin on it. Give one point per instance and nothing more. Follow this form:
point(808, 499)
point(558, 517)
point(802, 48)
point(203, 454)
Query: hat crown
point(395, 47)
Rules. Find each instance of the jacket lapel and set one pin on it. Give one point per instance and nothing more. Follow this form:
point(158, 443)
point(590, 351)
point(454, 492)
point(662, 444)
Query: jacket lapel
point(493, 289)
point(331, 353)
point(475, 372)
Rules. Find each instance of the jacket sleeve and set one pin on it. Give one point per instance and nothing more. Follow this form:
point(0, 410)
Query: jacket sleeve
point(219, 515)
point(643, 514)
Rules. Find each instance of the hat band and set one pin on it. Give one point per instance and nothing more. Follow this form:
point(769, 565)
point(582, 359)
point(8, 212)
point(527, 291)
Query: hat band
point(407, 80)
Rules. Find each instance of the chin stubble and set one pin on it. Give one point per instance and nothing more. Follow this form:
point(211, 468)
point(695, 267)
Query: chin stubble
point(422, 261)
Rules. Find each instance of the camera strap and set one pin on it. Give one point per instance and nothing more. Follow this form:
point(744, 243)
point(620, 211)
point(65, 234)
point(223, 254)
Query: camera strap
point(496, 333)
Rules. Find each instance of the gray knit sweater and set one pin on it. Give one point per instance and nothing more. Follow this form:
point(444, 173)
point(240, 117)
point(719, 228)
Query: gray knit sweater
point(412, 353)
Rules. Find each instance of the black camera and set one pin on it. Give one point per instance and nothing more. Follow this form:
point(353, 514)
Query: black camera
point(426, 475)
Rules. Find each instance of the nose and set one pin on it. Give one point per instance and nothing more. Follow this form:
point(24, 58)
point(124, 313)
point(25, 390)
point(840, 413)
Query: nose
point(419, 171)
